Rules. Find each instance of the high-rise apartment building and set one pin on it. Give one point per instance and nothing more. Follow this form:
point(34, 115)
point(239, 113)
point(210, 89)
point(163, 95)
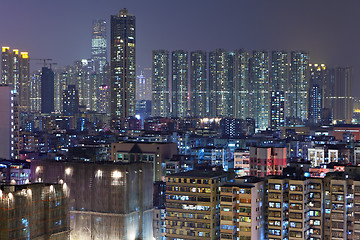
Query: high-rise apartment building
point(103, 99)
point(277, 109)
point(193, 205)
point(60, 81)
point(143, 88)
point(219, 84)
point(15, 71)
point(318, 75)
point(241, 85)
point(160, 83)
point(123, 68)
point(179, 87)
point(99, 44)
point(260, 88)
point(297, 97)
point(70, 101)
point(47, 90)
point(35, 92)
point(342, 99)
point(242, 209)
point(8, 123)
point(198, 83)
point(279, 80)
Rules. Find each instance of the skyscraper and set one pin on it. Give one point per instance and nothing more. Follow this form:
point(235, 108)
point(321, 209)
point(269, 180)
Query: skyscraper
point(103, 99)
point(318, 74)
point(7, 124)
point(122, 83)
point(179, 77)
point(279, 79)
point(143, 88)
point(35, 92)
point(219, 84)
point(6, 69)
point(70, 100)
point(342, 98)
point(241, 81)
point(24, 82)
point(198, 83)
point(260, 91)
point(47, 90)
point(98, 44)
point(160, 83)
point(15, 71)
point(297, 107)
point(60, 82)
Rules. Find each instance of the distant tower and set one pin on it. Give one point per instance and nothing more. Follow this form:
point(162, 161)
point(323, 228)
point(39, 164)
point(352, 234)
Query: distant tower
point(35, 92)
point(70, 101)
point(219, 84)
point(279, 79)
point(297, 97)
point(241, 85)
point(143, 88)
point(15, 71)
point(179, 86)
point(103, 99)
point(122, 86)
point(343, 100)
point(198, 83)
point(47, 90)
point(160, 84)
point(261, 85)
point(7, 123)
point(98, 44)
point(318, 75)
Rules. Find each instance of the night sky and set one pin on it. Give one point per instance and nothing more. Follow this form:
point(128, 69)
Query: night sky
point(61, 30)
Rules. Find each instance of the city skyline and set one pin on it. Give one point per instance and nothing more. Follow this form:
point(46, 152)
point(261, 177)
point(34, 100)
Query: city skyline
point(326, 43)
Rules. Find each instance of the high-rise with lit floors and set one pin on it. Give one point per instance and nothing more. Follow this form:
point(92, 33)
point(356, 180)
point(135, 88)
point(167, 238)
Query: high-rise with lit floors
point(35, 92)
point(342, 98)
point(15, 71)
point(122, 77)
point(7, 123)
point(103, 99)
point(98, 44)
point(219, 84)
point(192, 205)
point(241, 81)
point(242, 209)
point(179, 78)
point(160, 83)
point(279, 79)
point(198, 83)
point(70, 101)
point(261, 85)
point(318, 75)
point(6, 71)
point(297, 104)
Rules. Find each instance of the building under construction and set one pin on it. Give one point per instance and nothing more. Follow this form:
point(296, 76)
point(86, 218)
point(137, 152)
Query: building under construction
point(107, 200)
point(34, 211)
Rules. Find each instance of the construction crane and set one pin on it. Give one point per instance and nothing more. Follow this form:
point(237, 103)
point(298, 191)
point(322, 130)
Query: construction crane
point(52, 64)
point(43, 60)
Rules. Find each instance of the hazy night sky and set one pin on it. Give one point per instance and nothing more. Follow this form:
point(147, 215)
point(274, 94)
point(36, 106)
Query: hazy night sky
point(61, 30)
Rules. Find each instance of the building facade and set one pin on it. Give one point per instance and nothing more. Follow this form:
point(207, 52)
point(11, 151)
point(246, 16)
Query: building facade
point(180, 80)
point(160, 84)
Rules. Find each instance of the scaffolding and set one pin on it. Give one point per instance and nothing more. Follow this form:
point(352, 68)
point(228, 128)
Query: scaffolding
point(34, 211)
